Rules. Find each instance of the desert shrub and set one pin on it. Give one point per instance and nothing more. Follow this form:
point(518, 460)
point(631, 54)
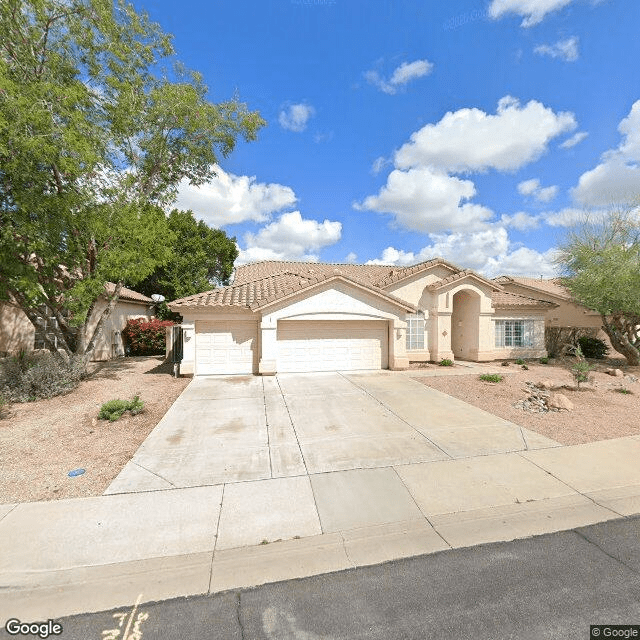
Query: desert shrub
point(445, 362)
point(581, 368)
point(544, 360)
point(39, 374)
point(144, 337)
point(525, 367)
point(593, 347)
point(505, 363)
point(559, 340)
point(491, 377)
point(520, 361)
point(623, 390)
point(4, 407)
point(113, 409)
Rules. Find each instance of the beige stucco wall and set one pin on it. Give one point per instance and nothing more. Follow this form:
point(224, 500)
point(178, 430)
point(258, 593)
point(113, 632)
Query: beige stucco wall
point(16, 332)
point(537, 350)
point(566, 314)
point(109, 344)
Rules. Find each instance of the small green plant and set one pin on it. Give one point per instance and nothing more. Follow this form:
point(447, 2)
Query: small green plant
point(593, 347)
point(525, 367)
point(544, 360)
point(491, 377)
point(580, 370)
point(113, 409)
point(445, 362)
point(520, 361)
point(505, 363)
point(623, 390)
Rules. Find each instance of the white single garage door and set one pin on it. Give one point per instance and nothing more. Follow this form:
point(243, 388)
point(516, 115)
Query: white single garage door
point(327, 345)
point(225, 347)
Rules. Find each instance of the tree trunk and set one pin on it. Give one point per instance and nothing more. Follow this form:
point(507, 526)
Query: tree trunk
point(86, 348)
point(620, 341)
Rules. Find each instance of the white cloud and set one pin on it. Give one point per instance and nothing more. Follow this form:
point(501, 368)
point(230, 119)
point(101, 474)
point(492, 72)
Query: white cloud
point(489, 252)
point(401, 76)
point(229, 199)
point(472, 140)
point(521, 221)
point(532, 11)
point(428, 200)
point(566, 50)
point(575, 139)
point(295, 117)
point(566, 217)
point(291, 237)
point(351, 257)
point(617, 178)
point(379, 164)
point(541, 194)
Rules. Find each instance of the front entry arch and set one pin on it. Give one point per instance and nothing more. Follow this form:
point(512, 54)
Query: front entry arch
point(465, 324)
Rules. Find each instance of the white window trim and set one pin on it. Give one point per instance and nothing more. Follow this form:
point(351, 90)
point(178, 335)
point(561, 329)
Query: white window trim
point(415, 331)
point(507, 333)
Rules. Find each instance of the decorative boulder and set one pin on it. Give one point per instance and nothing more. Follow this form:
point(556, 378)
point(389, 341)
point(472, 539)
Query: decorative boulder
point(559, 401)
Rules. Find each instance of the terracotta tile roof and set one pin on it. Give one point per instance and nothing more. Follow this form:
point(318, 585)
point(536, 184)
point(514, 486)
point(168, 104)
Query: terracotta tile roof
point(127, 294)
point(503, 299)
point(367, 273)
point(261, 292)
point(459, 276)
point(549, 285)
point(400, 273)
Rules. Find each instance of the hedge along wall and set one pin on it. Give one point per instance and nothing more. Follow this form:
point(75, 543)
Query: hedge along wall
point(144, 337)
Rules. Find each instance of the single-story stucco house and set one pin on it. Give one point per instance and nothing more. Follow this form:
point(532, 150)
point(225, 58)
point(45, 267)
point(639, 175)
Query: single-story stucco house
point(17, 333)
point(299, 316)
point(566, 314)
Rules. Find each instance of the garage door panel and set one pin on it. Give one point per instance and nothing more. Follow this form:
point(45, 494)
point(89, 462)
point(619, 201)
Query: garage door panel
point(225, 347)
point(331, 345)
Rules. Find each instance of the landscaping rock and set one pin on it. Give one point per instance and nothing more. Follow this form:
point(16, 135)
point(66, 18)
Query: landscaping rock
point(618, 373)
point(559, 401)
point(548, 384)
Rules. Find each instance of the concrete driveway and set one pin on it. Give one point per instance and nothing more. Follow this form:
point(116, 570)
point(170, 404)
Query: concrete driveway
point(239, 428)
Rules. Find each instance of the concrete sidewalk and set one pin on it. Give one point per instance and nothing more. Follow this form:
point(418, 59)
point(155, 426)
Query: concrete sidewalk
point(323, 493)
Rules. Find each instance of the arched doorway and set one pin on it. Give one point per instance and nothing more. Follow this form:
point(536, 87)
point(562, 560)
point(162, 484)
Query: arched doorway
point(465, 324)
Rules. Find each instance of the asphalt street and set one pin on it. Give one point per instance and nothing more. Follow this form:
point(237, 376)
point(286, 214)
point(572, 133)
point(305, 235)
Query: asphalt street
point(551, 586)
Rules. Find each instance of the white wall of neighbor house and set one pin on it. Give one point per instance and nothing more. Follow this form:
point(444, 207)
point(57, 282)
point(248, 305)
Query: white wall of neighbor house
point(537, 323)
point(18, 334)
point(109, 344)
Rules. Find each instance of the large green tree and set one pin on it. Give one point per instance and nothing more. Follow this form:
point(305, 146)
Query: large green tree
point(95, 136)
point(600, 260)
point(201, 259)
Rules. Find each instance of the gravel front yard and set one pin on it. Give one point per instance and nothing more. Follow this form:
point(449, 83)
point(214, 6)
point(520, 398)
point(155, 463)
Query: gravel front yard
point(40, 442)
point(600, 413)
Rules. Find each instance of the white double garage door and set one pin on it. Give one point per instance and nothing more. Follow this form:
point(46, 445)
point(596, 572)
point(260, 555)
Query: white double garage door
point(231, 347)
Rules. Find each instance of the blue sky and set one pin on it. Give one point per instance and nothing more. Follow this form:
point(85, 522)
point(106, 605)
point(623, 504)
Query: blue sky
point(475, 130)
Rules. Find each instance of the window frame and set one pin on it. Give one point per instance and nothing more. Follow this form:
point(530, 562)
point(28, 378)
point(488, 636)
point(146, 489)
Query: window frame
point(415, 331)
point(514, 333)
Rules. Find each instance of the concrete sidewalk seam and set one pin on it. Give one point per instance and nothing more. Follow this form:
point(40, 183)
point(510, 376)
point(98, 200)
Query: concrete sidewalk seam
point(137, 464)
point(293, 426)
point(266, 422)
point(388, 409)
point(419, 509)
point(566, 484)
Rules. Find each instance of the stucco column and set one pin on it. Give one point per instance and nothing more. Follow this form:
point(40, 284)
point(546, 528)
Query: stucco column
point(268, 347)
point(188, 364)
point(486, 337)
point(442, 339)
point(398, 358)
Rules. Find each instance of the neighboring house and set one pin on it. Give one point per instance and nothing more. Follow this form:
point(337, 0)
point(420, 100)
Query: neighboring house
point(18, 334)
point(566, 313)
point(298, 316)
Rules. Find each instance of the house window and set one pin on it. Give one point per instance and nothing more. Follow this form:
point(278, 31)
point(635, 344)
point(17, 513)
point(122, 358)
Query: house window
point(415, 331)
point(514, 333)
